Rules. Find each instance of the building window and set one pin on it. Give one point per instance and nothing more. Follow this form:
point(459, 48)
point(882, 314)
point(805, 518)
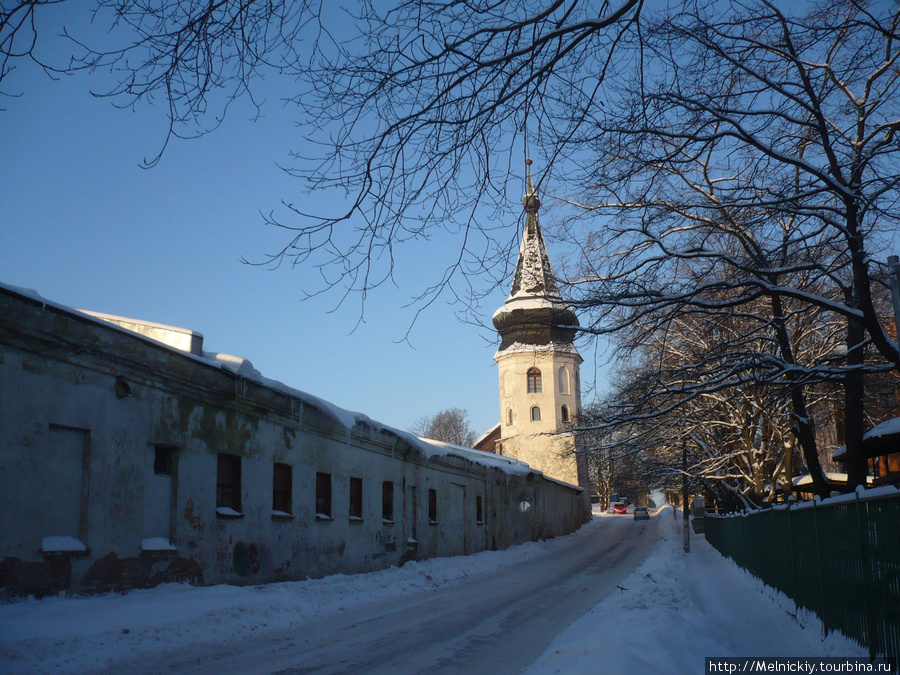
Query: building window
point(323, 496)
point(228, 485)
point(432, 507)
point(162, 460)
point(387, 501)
point(563, 380)
point(61, 489)
point(282, 501)
point(887, 397)
point(534, 381)
point(535, 414)
point(564, 414)
point(479, 511)
point(356, 499)
point(509, 415)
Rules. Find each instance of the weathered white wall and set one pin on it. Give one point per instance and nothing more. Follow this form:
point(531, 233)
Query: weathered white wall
point(59, 396)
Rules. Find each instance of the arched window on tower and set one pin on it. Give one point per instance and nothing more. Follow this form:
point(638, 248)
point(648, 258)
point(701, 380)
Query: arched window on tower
point(564, 414)
point(535, 414)
point(563, 380)
point(534, 381)
point(509, 415)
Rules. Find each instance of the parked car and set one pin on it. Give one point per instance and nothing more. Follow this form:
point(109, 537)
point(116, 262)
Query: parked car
point(620, 507)
point(641, 513)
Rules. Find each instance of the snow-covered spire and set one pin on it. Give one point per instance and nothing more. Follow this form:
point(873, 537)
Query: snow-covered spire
point(534, 315)
point(534, 274)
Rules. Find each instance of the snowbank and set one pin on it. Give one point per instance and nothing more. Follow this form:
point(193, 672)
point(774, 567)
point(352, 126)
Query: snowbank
point(678, 609)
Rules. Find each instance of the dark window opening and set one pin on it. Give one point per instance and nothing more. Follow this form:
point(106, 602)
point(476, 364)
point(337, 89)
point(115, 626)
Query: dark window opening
point(228, 482)
point(887, 397)
point(323, 495)
point(387, 500)
point(281, 488)
point(534, 381)
point(564, 414)
point(413, 513)
point(356, 498)
point(479, 510)
point(162, 460)
point(432, 506)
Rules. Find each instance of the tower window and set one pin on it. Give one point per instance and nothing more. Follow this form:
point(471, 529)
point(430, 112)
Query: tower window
point(534, 381)
point(535, 414)
point(563, 380)
point(564, 414)
point(509, 415)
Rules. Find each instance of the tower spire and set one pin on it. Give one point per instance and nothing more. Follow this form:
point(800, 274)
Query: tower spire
point(538, 362)
point(534, 274)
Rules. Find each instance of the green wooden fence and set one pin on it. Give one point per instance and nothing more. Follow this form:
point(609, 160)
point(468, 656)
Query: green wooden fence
point(839, 559)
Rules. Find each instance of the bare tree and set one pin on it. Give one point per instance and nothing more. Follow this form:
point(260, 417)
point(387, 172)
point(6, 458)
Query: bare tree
point(761, 157)
point(19, 37)
point(755, 148)
point(450, 426)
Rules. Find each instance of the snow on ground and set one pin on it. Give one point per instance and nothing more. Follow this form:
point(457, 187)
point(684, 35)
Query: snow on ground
point(678, 609)
point(675, 610)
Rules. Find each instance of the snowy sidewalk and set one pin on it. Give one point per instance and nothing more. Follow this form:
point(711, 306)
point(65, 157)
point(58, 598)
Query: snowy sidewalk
point(676, 610)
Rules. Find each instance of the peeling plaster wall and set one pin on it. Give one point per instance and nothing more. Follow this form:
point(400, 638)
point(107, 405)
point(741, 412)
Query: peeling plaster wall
point(84, 409)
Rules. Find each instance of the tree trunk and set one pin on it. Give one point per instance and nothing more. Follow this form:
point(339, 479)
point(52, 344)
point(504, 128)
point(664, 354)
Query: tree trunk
point(803, 428)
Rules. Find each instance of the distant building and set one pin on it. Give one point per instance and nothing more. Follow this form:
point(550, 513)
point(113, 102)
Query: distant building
point(538, 363)
point(131, 457)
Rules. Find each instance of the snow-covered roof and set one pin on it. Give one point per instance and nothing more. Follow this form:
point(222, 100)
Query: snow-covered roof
point(493, 430)
point(554, 346)
point(245, 369)
point(830, 476)
point(489, 459)
point(511, 465)
point(880, 437)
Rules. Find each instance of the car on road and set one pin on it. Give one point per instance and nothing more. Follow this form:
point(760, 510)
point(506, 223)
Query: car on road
point(620, 507)
point(641, 513)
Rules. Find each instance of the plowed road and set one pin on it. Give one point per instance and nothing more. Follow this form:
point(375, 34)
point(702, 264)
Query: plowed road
point(497, 623)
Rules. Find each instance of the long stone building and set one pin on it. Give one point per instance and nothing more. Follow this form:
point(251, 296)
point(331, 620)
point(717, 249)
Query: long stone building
point(131, 457)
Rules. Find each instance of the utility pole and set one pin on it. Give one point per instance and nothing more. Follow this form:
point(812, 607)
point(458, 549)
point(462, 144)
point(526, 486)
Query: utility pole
point(684, 497)
point(894, 265)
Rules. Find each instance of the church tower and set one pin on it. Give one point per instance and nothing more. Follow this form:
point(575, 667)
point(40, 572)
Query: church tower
point(540, 384)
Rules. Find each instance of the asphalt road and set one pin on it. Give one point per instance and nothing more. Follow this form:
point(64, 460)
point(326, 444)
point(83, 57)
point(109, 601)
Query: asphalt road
point(497, 623)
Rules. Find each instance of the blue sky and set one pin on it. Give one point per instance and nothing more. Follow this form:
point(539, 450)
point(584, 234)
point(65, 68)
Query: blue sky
point(82, 224)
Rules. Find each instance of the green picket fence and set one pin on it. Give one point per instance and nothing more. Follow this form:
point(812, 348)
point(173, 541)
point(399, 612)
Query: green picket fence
point(839, 559)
